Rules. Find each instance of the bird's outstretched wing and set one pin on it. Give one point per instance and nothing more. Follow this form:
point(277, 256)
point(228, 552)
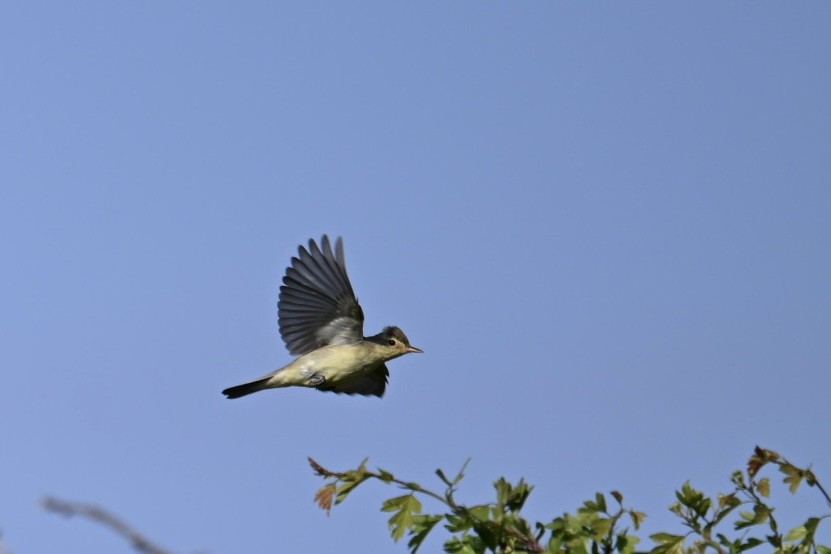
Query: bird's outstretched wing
point(317, 306)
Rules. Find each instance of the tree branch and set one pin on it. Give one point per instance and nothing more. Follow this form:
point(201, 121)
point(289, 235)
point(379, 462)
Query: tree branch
point(105, 518)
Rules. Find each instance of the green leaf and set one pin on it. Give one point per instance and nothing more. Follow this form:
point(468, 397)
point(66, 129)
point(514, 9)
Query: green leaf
point(794, 476)
point(461, 474)
point(395, 504)
point(481, 512)
point(747, 516)
point(805, 532)
point(760, 514)
point(727, 503)
point(601, 527)
point(694, 500)
point(666, 538)
point(763, 486)
point(351, 479)
point(667, 543)
point(511, 497)
point(385, 475)
point(503, 490)
point(677, 509)
point(626, 544)
point(686, 495)
point(797, 533)
point(554, 545)
point(406, 508)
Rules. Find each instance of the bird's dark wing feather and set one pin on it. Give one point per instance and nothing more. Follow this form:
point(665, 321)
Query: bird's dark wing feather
point(317, 306)
point(372, 383)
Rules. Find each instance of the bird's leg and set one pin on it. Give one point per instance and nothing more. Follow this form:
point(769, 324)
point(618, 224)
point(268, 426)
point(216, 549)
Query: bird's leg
point(316, 379)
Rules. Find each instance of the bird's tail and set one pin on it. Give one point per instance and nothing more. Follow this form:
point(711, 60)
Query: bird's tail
point(247, 388)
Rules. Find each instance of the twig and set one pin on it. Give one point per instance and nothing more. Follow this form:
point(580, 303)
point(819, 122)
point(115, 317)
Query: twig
point(100, 515)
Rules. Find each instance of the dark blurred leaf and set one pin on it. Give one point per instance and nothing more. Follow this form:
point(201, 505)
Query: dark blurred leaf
point(811, 524)
point(637, 518)
point(760, 514)
point(728, 500)
point(519, 495)
point(458, 523)
point(468, 544)
point(749, 543)
point(601, 501)
point(443, 478)
point(319, 469)
point(422, 525)
point(760, 457)
point(490, 534)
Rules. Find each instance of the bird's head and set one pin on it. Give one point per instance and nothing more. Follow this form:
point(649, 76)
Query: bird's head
point(395, 342)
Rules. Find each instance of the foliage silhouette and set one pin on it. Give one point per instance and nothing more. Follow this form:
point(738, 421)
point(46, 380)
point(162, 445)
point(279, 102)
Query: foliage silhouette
point(599, 525)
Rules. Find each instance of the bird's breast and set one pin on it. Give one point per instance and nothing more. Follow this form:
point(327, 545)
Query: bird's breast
point(338, 361)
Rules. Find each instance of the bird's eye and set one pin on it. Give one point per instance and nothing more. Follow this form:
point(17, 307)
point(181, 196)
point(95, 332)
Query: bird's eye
point(391, 342)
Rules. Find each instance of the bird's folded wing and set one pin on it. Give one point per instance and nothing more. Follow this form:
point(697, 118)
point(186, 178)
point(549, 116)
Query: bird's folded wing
point(372, 383)
point(317, 306)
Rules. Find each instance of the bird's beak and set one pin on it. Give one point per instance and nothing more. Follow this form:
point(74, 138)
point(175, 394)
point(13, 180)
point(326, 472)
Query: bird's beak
point(415, 350)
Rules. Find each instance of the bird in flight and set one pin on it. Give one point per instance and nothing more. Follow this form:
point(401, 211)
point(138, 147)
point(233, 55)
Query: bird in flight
point(321, 321)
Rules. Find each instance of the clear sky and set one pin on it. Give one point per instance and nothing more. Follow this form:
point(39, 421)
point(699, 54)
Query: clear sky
point(607, 225)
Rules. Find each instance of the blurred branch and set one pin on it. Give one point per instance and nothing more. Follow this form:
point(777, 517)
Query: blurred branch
point(105, 518)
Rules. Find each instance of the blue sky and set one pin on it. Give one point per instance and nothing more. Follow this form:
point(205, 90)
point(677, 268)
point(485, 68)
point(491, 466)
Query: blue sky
point(606, 225)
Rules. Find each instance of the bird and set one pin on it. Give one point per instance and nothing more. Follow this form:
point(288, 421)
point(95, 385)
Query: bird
point(321, 322)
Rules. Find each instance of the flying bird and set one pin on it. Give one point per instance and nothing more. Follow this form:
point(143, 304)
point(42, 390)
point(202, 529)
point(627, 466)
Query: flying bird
point(321, 321)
